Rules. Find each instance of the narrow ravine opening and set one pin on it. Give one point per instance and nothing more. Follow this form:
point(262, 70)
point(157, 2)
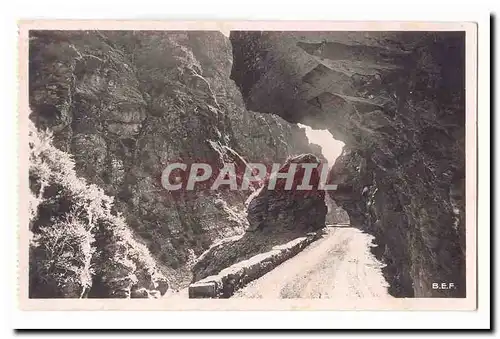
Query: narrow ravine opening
point(352, 242)
point(331, 149)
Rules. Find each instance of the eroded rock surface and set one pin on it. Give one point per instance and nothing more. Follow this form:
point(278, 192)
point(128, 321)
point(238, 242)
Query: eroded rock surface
point(276, 216)
point(126, 103)
point(279, 208)
point(397, 100)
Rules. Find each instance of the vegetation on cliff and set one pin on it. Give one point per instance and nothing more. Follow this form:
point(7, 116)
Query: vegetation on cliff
point(79, 245)
point(127, 103)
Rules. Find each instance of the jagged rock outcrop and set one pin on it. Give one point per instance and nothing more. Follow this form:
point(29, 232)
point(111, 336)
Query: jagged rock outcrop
point(281, 209)
point(276, 216)
point(397, 100)
point(335, 214)
point(126, 103)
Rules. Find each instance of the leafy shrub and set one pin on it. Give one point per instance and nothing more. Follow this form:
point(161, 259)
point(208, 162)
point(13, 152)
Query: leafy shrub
point(79, 247)
point(64, 252)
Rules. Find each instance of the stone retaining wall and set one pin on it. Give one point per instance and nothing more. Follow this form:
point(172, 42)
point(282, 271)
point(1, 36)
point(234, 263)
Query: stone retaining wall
point(229, 280)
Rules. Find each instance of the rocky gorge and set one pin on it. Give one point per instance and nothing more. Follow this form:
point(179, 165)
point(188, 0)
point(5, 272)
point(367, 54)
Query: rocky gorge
point(124, 104)
point(397, 101)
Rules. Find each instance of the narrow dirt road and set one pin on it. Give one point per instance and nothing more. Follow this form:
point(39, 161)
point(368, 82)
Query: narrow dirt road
point(339, 265)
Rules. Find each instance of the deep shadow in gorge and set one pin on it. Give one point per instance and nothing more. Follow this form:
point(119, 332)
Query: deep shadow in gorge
point(397, 100)
point(125, 104)
point(329, 149)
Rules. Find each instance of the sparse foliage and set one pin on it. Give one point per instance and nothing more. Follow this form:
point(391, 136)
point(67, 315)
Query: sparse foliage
point(78, 247)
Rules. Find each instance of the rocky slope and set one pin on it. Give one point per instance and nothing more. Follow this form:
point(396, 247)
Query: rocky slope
point(397, 101)
point(126, 103)
point(276, 216)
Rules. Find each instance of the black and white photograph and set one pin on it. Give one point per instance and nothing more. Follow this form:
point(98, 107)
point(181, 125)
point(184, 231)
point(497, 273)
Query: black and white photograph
point(258, 165)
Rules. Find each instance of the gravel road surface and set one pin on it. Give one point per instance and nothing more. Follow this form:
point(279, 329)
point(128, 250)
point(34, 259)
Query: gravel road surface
point(339, 265)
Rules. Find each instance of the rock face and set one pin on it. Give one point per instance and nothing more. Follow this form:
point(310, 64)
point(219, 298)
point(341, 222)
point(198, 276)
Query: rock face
point(276, 216)
point(397, 100)
point(127, 103)
point(335, 214)
point(279, 209)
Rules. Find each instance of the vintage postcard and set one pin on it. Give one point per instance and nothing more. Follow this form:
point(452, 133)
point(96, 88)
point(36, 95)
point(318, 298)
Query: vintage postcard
point(247, 165)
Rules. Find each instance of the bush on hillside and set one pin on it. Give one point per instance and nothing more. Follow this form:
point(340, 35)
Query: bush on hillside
point(79, 247)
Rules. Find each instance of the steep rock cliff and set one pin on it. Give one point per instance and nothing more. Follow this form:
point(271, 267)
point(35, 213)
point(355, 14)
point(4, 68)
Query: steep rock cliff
point(397, 100)
point(126, 103)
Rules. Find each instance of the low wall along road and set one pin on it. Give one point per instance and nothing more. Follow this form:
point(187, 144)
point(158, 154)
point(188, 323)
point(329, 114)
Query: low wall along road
point(224, 284)
point(333, 264)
